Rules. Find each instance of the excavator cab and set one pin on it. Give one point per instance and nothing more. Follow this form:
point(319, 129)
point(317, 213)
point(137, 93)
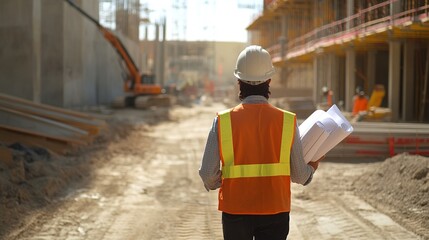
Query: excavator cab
point(147, 79)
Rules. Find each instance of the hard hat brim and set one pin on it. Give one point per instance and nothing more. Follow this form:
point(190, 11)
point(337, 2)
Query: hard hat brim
point(263, 78)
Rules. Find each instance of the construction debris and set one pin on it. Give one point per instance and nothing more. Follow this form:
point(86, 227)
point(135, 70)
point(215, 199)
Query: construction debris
point(42, 152)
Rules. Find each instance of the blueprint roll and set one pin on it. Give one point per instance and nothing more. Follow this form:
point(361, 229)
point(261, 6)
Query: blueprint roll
point(322, 131)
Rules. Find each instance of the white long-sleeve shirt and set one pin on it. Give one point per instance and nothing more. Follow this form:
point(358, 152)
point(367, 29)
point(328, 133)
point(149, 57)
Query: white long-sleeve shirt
point(210, 170)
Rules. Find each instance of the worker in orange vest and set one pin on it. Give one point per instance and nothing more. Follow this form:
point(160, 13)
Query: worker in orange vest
point(328, 95)
point(253, 153)
point(360, 102)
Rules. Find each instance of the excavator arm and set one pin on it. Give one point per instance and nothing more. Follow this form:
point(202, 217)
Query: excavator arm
point(133, 83)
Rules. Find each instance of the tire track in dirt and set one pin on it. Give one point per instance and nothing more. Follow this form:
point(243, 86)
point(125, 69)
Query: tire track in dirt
point(149, 188)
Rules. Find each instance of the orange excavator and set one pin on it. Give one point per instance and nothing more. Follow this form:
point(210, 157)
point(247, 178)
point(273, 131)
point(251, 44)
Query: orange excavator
point(142, 90)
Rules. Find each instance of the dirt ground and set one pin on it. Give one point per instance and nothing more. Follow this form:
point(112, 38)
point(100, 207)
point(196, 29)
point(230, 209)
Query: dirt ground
point(139, 180)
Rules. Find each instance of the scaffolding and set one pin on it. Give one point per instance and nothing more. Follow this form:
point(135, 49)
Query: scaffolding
point(371, 22)
point(122, 16)
point(337, 39)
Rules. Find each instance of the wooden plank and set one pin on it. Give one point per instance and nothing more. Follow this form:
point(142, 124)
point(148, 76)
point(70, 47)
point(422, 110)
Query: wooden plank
point(77, 119)
point(6, 156)
point(56, 146)
point(43, 106)
point(29, 122)
point(41, 134)
point(93, 127)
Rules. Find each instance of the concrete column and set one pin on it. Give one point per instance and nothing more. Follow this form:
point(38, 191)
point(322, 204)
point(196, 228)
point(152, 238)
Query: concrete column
point(162, 53)
point(350, 8)
point(157, 53)
point(283, 37)
point(37, 25)
point(395, 7)
point(394, 78)
point(333, 77)
point(316, 85)
point(371, 70)
point(350, 78)
point(408, 83)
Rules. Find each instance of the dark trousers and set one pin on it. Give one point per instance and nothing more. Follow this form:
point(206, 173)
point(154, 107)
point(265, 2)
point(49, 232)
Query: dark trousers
point(245, 227)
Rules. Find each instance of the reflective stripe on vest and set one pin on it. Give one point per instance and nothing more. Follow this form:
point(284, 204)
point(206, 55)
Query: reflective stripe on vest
point(229, 170)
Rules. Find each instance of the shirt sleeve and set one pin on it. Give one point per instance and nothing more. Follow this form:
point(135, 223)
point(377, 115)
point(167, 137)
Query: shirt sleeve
point(300, 172)
point(209, 171)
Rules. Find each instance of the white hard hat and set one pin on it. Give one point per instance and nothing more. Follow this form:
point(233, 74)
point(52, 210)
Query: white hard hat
point(254, 65)
point(324, 89)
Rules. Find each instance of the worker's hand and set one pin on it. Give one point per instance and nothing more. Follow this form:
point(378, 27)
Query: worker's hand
point(315, 164)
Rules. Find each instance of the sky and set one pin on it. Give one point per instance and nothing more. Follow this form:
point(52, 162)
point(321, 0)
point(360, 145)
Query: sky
point(204, 20)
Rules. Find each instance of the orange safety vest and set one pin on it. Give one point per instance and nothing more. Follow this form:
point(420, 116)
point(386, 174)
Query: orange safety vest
point(359, 104)
point(254, 144)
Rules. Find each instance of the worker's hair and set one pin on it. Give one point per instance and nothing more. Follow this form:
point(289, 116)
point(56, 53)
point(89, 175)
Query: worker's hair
point(246, 90)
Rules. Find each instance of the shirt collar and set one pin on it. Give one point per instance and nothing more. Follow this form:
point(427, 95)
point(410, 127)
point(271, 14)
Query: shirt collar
point(254, 99)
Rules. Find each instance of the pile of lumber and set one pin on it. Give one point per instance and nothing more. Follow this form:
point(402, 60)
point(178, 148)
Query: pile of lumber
point(56, 129)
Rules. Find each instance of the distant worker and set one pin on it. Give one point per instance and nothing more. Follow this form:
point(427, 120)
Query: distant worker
point(327, 96)
point(327, 99)
point(209, 87)
point(253, 153)
point(360, 102)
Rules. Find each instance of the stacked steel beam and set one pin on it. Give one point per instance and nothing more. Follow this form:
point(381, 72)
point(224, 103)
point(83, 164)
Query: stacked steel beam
point(381, 139)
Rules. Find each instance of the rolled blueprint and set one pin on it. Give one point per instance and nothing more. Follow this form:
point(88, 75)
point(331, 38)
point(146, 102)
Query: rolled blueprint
point(322, 131)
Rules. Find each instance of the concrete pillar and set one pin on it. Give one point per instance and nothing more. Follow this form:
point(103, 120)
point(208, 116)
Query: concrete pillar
point(371, 67)
point(408, 83)
point(316, 84)
point(395, 7)
point(283, 37)
point(350, 78)
point(37, 22)
point(157, 53)
point(162, 52)
point(394, 78)
point(333, 77)
point(350, 8)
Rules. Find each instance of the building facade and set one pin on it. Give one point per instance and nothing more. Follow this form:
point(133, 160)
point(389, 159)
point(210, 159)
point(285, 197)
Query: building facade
point(349, 44)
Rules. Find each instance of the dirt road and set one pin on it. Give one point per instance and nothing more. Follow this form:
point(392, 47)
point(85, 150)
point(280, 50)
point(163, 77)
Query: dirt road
point(146, 186)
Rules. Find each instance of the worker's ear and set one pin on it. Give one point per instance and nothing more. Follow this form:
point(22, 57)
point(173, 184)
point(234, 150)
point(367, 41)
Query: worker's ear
point(269, 81)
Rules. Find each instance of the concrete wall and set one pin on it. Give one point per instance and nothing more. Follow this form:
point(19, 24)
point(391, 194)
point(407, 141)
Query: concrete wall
point(52, 54)
point(16, 48)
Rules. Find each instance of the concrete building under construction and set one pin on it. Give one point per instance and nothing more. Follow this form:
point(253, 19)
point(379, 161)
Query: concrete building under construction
point(345, 44)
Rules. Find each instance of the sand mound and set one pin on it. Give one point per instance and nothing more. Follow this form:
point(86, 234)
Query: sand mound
point(400, 186)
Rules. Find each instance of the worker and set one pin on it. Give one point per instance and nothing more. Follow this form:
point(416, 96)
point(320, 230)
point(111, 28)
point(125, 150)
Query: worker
point(253, 153)
point(328, 94)
point(327, 99)
point(360, 103)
